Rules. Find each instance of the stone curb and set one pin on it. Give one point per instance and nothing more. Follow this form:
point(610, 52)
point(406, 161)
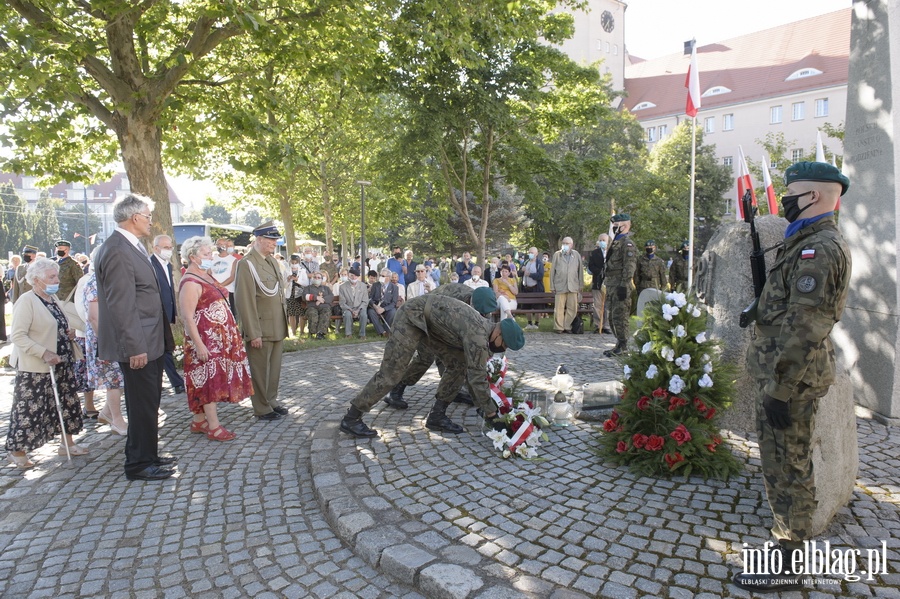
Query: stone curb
point(395, 542)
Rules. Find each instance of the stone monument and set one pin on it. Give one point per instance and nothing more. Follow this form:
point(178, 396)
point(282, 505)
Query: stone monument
point(868, 335)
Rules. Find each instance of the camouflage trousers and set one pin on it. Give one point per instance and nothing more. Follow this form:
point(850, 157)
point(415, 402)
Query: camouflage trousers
point(619, 312)
point(787, 465)
point(319, 318)
point(407, 357)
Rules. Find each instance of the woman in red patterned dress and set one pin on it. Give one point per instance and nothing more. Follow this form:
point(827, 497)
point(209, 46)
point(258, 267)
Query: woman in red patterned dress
point(215, 361)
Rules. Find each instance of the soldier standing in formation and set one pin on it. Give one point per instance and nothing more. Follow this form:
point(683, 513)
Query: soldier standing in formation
point(651, 270)
point(678, 272)
point(455, 333)
point(69, 270)
point(792, 359)
point(621, 262)
point(19, 285)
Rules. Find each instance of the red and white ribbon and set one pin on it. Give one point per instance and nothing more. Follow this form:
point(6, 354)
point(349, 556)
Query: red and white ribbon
point(521, 435)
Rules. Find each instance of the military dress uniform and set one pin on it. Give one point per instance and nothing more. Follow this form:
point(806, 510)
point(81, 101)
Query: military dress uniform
point(650, 273)
point(621, 262)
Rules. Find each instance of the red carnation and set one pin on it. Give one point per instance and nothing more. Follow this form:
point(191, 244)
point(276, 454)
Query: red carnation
point(711, 447)
point(530, 404)
point(710, 413)
point(505, 409)
point(659, 392)
point(609, 426)
point(643, 403)
point(621, 447)
point(673, 458)
point(639, 440)
point(681, 435)
point(518, 422)
point(676, 402)
point(698, 403)
point(614, 416)
point(655, 443)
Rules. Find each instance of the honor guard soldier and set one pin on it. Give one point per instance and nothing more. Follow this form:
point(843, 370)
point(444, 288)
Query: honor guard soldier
point(651, 270)
point(791, 356)
point(678, 272)
point(621, 262)
point(69, 270)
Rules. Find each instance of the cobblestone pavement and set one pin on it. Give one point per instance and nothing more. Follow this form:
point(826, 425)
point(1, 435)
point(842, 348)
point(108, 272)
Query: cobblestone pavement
point(296, 509)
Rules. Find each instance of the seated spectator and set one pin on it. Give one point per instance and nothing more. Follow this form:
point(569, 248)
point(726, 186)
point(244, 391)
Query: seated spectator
point(422, 285)
point(297, 281)
point(464, 268)
point(401, 288)
point(354, 301)
point(319, 300)
point(382, 303)
point(492, 271)
point(475, 281)
point(433, 273)
point(506, 289)
point(454, 278)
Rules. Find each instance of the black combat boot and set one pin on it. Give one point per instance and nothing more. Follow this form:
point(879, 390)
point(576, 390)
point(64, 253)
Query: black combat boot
point(395, 399)
point(438, 421)
point(463, 397)
point(352, 423)
point(772, 582)
point(618, 350)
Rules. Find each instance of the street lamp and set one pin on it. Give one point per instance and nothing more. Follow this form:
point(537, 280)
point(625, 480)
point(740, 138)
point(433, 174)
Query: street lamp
point(362, 227)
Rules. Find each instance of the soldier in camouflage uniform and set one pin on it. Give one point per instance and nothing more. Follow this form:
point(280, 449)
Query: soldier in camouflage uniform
point(19, 285)
point(678, 272)
point(456, 334)
point(69, 270)
point(484, 301)
point(621, 261)
point(650, 272)
point(791, 356)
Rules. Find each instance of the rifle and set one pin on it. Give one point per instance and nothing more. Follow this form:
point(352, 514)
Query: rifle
point(757, 261)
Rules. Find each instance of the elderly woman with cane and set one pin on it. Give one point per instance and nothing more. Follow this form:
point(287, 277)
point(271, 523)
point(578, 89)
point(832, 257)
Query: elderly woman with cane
point(45, 395)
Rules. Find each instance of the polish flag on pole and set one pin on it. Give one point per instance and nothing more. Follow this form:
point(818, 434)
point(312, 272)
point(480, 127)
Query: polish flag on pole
point(743, 184)
point(770, 189)
point(820, 149)
point(692, 83)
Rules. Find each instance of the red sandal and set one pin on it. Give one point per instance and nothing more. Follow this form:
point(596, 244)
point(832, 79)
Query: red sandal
point(201, 427)
point(220, 434)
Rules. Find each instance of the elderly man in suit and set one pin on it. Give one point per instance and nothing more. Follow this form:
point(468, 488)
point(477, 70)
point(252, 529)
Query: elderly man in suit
point(262, 315)
point(133, 331)
point(162, 265)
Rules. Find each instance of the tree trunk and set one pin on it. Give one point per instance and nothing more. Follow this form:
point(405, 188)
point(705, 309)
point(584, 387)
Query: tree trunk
point(344, 244)
point(141, 143)
point(284, 208)
point(326, 207)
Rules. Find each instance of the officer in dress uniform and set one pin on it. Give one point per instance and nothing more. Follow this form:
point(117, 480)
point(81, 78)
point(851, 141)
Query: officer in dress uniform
point(678, 272)
point(19, 284)
point(791, 356)
point(259, 298)
point(621, 262)
point(457, 334)
point(69, 270)
point(650, 272)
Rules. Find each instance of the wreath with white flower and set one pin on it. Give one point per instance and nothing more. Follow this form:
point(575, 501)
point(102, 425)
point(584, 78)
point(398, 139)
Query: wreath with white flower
point(517, 426)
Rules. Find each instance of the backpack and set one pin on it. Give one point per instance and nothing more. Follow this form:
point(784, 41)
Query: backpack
point(578, 325)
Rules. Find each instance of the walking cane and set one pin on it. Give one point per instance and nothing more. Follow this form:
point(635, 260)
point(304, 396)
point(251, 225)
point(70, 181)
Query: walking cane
point(62, 424)
point(381, 316)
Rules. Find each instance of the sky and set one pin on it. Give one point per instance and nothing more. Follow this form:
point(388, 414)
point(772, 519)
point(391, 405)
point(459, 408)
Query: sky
point(654, 28)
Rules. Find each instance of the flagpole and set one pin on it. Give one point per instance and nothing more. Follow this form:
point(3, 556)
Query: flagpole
point(690, 280)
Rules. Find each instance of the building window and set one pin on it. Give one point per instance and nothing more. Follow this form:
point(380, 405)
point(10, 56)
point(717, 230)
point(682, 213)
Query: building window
point(775, 114)
point(729, 162)
point(773, 163)
point(651, 134)
point(822, 107)
point(803, 73)
point(709, 125)
point(615, 49)
point(796, 155)
point(798, 111)
point(643, 105)
point(606, 47)
point(715, 91)
point(663, 131)
point(728, 122)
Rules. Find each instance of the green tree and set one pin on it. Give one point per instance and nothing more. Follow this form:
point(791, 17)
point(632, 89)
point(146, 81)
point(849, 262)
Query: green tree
point(251, 218)
point(44, 225)
point(15, 230)
point(213, 213)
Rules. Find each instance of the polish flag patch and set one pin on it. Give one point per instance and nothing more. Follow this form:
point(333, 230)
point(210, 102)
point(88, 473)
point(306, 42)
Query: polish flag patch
point(807, 254)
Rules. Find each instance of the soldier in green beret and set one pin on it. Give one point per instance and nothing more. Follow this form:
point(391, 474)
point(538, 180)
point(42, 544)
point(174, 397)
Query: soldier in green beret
point(678, 271)
point(455, 333)
point(791, 356)
point(650, 272)
point(69, 270)
point(621, 262)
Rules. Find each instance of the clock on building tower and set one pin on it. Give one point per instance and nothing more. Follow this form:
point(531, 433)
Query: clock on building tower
point(607, 21)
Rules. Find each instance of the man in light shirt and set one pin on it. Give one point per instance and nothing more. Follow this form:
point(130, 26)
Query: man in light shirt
point(476, 281)
point(422, 285)
point(224, 267)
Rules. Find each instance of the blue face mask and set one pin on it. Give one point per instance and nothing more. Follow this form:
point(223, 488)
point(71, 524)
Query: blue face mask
point(52, 289)
point(602, 245)
point(206, 263)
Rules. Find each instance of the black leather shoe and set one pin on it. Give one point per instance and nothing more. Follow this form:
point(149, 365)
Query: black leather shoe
point(463, 398)
point(178, 390)
point(270, 416)
point(606, 331)
point(151, 473)
point(357, 428)
point(441, 423)
point(397, 404)
point(280, 410)
point(166, 461)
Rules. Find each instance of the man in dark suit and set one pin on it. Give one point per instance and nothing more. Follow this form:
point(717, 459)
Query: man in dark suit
point(133, 332)
point(162, 264)
point(382, 302)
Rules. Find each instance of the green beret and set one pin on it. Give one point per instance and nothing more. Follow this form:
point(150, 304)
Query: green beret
point(621, 217)
point(512, 333)
point(816, 171)
point(484, 300)
point(649, 243)
point(685, 244)
point(63, 242)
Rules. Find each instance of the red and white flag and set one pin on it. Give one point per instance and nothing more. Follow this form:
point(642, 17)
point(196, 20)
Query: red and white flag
point(743, 184)
point(820, 149)
point(770, 189)
point(692, 83)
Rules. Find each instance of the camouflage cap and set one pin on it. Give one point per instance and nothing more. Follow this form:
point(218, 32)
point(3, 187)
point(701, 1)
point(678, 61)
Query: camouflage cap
point(650, 243)
point(484, 300)
point(512, 333)
point(816, 171)
point(620, 217)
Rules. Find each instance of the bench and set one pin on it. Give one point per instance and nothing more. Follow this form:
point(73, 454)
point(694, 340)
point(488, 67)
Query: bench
point(542, 303)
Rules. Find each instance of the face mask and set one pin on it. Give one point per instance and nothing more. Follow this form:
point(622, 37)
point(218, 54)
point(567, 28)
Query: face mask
point(546, 259)
point(397, 256)
point(317, 282)
point(52, 289)
point(495, 349)
point(166, 255)
point(456, 280)
point(61, 253)
point(789, 203)
point(353, 279)
point(601, 245)
point(616, 230)
point(295, 267)
point(565, 247)
point(384, 280)
point(649, 251)
point(220, 248)
point(475, 277)
point(343, 279)
point(308, 257)
point(530, 256)
point(206, 263)
point(27, 258)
